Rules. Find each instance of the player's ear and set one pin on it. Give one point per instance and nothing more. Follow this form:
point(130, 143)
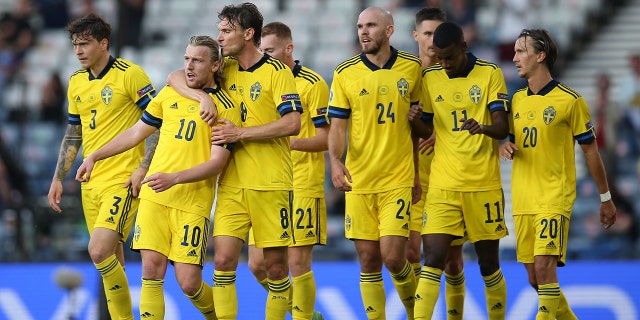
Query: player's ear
point(215, 66)
point(289, 49)
point(541, 56)
point(248, 33)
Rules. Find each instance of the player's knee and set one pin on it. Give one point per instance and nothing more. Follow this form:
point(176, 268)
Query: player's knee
point(190, 288)
point(225, 262)
point(454, 265)
point(98, 252)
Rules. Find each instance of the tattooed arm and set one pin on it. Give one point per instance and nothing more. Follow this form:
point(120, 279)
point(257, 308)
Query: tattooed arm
point(136, 177)
point(68, 151)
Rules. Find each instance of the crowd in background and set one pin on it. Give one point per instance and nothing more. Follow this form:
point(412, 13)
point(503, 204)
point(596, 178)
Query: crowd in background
point(30, 231)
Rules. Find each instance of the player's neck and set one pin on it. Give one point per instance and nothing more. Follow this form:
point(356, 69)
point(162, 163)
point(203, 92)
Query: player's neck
point(539, 80)
point(249, 57)
point(427, 61)
point(381, 57)
point(100, 64)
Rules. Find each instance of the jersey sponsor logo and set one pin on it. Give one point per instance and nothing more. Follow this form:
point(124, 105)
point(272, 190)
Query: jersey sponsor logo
point(503, 96)
point(453, 312)
point(290, 96)
point(497, 306)
point(192, 108)
point(457, 97)
point(310, 234)
point(405, 226)
point(475, 94)
point(174, 106)
point(499, 228)
point(439, 99)
point(78, 99)
point(364, 92)
point(531, 115)
point(322, 111)
point(370, 309)
point(114, 288)
point(255, 91)
point(549, 115)
point(110, 220)
point(543, 309)
point(285, 235)
point(403, 87)
point(146, 315)
point(517, 116)
point(145, 90)
point(551, 245)
point(106, 94)
point(232, 87)
point(383, 90)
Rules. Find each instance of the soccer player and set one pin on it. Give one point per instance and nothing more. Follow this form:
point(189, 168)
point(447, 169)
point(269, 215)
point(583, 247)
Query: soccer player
point(255, 189)
point(547, 118)
point(309, 209)
point(465, 102)
point(105, 97)
point(426, 21)
point(371, 94)
point(173, 223)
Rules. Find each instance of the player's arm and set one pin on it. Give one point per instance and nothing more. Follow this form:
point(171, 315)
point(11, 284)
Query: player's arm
point(161, 181)
point(208, 110)
point(69, 148)
point(227, 132)
point(336, 145)
point(135, 180)
point(316, 143)
point(498, 129)
point(123, 142)
point(596, 168)
point(421, 122)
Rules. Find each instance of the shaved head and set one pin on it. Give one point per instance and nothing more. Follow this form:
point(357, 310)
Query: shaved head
point(380, 14)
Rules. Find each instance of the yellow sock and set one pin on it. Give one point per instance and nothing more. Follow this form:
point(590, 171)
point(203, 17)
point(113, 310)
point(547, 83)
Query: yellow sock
point(417, 268)
point(116, 288)
point(564, 310)
point(405, 283)
point(264, 284)
point(427, 292)
point(495, 290)
point(548, 300)
point(225, 297)
point(152, 299)
point(203, 301)
point(278, 299)
point(373, 295)
point(304, 296)
point(454, 295)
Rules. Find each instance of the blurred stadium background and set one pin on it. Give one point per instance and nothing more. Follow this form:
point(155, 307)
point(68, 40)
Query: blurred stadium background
point(599, 43)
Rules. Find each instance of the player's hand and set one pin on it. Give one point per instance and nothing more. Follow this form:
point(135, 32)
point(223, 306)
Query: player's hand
point(607, 214)
point(161, 181)
point(208, 111)
point(507, 149)
point(135, 181)
point(84, 171)
point(225, 132)
point(472, 125)
point(415, 112)
point(426, 146)
point(340, 176)
point(55, 193)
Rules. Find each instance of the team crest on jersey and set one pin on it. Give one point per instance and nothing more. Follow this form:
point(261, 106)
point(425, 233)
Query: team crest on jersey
point(347, 222)
point(192, 108)
point(256, 89)
point(403, 87)
point(549, 114)
point(475, 94)
point(330, 96)
point(107, 94)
